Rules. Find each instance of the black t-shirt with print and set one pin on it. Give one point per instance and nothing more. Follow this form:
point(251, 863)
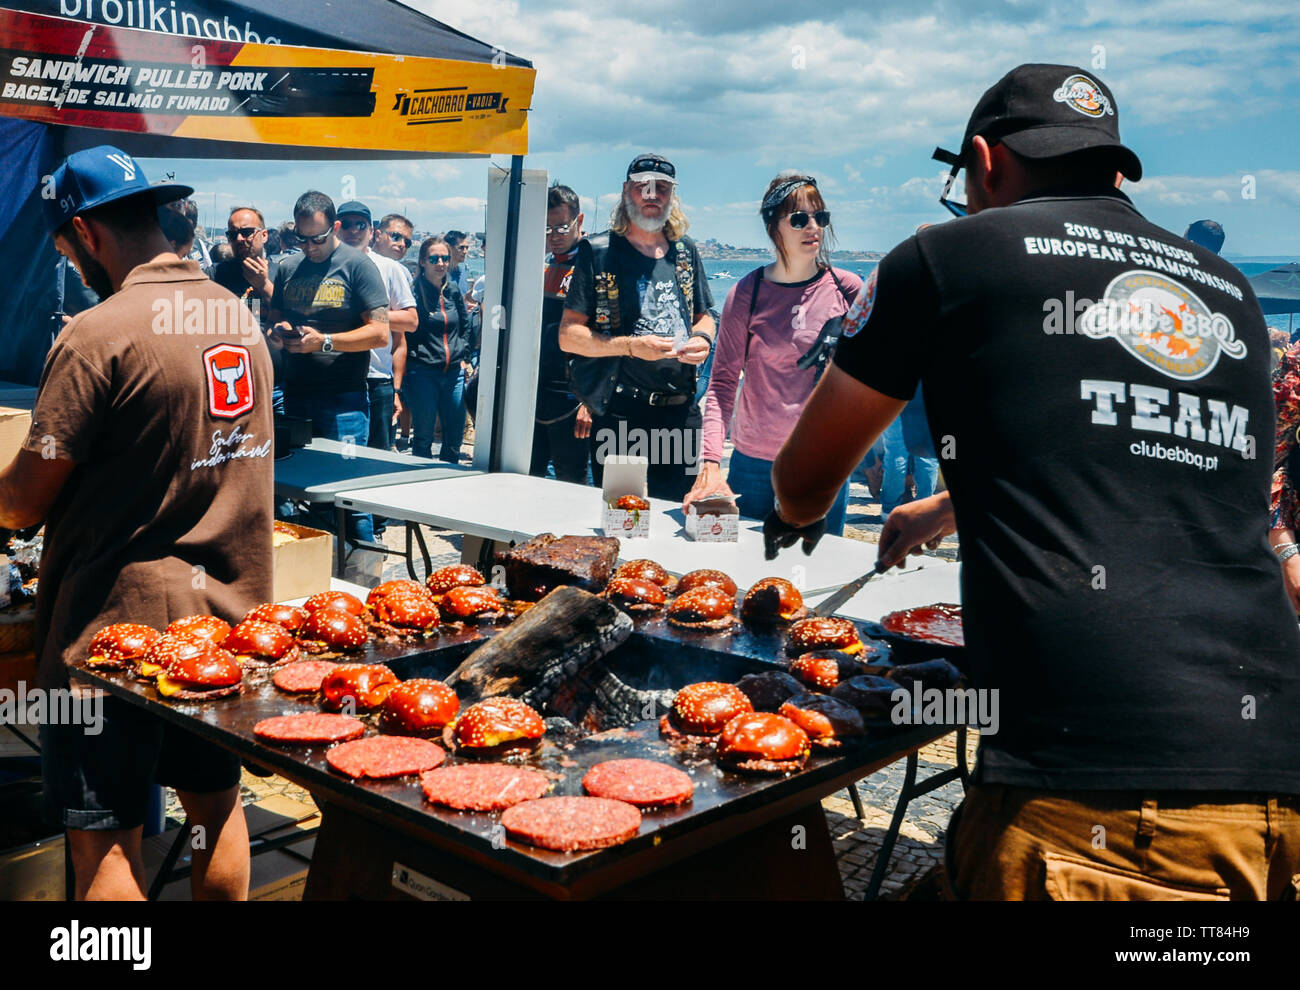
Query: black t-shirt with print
point(332, 296)
point(651, 302)
point(1098, 389)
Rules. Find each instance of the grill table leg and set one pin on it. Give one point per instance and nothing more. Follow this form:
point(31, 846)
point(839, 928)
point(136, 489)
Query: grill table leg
point(856, 798)
point(896, 823)
point(164, 874)
point(340, 541)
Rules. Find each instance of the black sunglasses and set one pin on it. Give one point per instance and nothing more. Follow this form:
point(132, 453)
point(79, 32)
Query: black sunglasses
point(438, 259)
point(395, 236)
point(799, 218)
point(354, 224)
point(949, 158)
point(313, 238)
point(234, 232)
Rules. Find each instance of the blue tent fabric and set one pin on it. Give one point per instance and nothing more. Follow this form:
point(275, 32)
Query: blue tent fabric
point(27, 255)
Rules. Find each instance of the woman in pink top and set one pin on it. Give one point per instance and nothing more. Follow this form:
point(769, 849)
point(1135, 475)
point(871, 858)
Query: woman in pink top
point(772, 317)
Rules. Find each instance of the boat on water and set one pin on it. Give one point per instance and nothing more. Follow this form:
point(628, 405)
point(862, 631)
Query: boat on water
point(720, 275)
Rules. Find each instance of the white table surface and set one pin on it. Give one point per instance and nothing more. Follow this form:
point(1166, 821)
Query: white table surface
point(515, 507)
point(318, 471)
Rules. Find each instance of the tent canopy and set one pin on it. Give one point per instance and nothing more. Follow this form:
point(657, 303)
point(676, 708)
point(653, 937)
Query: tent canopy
point(330, 80)
point(1278, 290)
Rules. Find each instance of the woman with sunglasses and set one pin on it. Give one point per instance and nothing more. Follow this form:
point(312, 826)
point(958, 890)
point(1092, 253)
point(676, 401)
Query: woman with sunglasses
point(435, 377)
point(773, 316)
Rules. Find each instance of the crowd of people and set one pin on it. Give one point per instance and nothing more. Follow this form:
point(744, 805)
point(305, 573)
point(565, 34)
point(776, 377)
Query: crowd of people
point(628, 331)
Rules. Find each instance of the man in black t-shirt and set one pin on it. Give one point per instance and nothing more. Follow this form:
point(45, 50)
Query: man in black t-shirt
point(637, 317)
point(1098, 390)
point(329, 308)
point(562, 423)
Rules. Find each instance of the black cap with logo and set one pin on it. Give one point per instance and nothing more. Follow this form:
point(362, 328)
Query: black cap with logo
point(1043, 111)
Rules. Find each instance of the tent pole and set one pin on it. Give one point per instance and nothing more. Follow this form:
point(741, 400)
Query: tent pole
point(507, 302)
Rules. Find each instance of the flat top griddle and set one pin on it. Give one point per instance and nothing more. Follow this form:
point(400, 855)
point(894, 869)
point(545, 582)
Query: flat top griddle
point(721, 797)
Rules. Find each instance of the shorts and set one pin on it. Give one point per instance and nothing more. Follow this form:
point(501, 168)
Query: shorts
point(1023, 844)
point(102, 782)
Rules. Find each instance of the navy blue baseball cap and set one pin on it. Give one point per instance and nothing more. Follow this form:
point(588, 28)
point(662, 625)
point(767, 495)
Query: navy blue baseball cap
point(353, 206)
point(98, 176)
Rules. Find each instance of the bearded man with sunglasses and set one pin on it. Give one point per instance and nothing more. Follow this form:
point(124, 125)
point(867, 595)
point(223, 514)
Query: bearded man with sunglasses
point(1098, 390)
point(637, 318)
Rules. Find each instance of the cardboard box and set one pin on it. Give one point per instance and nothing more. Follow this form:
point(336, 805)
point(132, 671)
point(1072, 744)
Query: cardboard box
point(713, 519)
point(14, 426)
point(625, 476)
point(304, 566)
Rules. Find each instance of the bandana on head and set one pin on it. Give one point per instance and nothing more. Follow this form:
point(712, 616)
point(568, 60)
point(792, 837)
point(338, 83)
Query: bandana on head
point(774, 199)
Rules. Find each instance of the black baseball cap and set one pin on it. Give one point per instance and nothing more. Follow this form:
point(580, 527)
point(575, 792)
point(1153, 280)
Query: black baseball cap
point(352, 206)
point(1044, 111)
point(648, 168)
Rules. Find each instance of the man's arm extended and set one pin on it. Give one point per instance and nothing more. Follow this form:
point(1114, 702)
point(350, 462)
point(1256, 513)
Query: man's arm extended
point(29, 486)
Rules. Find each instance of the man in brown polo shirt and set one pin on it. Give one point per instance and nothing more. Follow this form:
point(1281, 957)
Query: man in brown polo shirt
point(149, 460)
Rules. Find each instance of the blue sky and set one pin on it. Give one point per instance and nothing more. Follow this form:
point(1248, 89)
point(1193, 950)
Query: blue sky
point(735, 90)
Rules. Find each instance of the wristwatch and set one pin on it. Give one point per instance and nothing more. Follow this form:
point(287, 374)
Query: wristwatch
point(327, 344)
point(703, 336)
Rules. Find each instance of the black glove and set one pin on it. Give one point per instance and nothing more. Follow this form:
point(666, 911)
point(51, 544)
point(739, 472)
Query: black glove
point(779, 534)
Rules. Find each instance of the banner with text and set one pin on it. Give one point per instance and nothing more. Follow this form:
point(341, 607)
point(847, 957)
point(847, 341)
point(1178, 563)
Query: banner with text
point(59, 71)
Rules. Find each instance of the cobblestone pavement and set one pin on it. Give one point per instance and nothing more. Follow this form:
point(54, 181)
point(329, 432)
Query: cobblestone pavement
point(857, 843)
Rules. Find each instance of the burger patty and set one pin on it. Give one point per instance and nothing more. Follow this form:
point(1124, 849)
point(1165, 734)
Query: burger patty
point(257, 660)
point(303, 677)
point(309, 727)
point(766, 766)
point(570, 824)
point(483, 786)
point(385, 757)
point(644, 783)
point(721, 624)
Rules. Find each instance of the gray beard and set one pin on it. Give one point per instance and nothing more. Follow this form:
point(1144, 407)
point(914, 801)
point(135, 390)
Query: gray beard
point(651, 225)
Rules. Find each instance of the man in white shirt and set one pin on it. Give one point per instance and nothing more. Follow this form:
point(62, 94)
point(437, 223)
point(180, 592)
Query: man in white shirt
point(387, 364)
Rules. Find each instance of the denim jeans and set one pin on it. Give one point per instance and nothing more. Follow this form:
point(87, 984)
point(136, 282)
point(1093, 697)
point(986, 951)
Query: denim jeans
point(344, 417)
point(751, 479)
point(432, 394)
point(925, 470)
point(381, 413)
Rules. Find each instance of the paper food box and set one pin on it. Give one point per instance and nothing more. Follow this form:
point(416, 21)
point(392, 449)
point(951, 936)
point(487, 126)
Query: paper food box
point(626, 510)
point(303, 561)
point(713, 519)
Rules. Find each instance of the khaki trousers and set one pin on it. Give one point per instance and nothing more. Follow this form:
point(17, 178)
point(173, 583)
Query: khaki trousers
point(1013, 843)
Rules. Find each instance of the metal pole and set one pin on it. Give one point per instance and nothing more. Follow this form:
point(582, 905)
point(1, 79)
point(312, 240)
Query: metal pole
point(507, 302)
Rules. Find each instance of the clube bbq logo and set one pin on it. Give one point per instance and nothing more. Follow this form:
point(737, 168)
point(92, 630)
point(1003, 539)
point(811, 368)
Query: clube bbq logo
point(1162, 324)
point(1080, 93)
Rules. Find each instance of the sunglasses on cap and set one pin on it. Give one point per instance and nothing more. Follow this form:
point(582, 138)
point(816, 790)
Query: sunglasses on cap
point(313, 238)
point(799, 218)
point(234, 232)
point(354, 224)
point(395, 236)
point(954, 160)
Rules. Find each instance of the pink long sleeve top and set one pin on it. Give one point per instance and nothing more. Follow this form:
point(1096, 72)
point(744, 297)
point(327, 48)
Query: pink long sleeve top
point(786, 323)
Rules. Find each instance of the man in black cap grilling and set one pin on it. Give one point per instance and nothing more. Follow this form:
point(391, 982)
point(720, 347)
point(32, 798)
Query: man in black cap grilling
point(637, 317)
point(1098, 389)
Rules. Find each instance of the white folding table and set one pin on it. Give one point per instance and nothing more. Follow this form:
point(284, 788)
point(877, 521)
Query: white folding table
point(512, 508)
